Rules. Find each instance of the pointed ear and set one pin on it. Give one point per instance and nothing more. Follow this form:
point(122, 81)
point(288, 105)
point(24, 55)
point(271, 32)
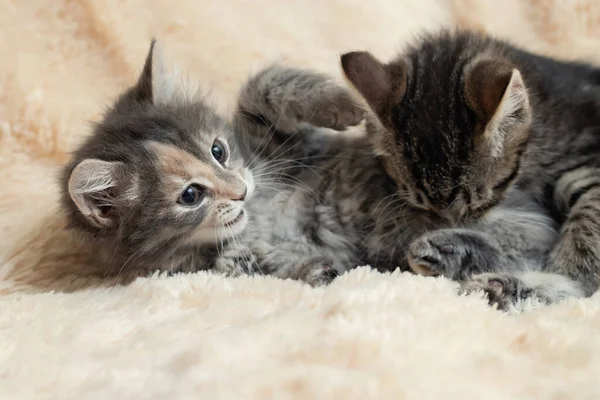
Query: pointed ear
point(155, 84)
point(375, 81)
point(94, 186)
point(495, 91)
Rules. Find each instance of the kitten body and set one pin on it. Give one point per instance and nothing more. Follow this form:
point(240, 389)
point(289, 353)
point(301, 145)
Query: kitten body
point(323, 203)
point(330, 200)
point(463, 107)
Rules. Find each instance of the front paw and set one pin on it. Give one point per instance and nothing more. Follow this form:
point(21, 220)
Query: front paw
point(234, 263)
point(316, 271)
point(501, 290)
point(440, 252)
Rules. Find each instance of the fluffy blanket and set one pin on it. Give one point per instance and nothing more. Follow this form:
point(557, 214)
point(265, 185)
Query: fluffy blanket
point(368, 335)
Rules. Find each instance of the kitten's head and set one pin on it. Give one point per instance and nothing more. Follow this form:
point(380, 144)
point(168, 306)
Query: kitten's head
point(452, 118)
point(160, 171)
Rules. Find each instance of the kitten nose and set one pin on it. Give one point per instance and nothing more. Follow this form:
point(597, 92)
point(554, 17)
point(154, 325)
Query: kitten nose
point(243, 197)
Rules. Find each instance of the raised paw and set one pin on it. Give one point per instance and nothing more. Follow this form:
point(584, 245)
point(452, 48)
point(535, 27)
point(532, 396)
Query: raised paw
point(453, 253)
point(338, 110)
point(502, 290)
point(316, 271)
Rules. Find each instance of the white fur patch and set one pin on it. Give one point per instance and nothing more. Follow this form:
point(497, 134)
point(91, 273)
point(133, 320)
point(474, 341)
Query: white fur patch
point(554, 286)
point(163, 82)
point(514, 100)
point(89, 177)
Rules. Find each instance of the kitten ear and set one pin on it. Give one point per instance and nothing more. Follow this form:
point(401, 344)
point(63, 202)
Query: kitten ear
point(94, 186)
point(373, 79)
point(155, 84)
point(496, 92)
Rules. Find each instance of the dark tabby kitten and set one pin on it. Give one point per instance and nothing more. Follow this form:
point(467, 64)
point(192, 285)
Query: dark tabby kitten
point(462, 117)
point(159, 182)
point(331, 202)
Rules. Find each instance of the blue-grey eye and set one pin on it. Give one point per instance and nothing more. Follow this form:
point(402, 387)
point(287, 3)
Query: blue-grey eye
point(218, 151)
point(191, 196)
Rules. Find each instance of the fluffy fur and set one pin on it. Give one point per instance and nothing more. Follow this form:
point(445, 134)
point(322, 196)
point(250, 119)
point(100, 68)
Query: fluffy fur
point(147, 190)
point(323, 203)
point(462, 117)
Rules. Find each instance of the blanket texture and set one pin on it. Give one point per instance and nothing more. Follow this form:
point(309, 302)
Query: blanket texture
point(67, 333)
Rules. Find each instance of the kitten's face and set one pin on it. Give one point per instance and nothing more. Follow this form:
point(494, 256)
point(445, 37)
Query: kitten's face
point(450, 126)
point(159, 172)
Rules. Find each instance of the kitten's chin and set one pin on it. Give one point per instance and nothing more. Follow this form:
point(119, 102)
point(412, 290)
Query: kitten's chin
point(227, 230)
point(235, 226)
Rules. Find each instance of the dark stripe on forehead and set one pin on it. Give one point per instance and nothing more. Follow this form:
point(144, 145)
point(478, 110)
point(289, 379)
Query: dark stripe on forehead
point(257, 119)
point(412, 78)
point(581, 191)
point(456, 189)
point(504, 183)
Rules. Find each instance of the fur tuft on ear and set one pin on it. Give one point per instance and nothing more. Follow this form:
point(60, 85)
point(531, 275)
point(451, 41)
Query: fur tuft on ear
point(370, 77)
point(155, 84)
point(94, 186)
point(495, 91)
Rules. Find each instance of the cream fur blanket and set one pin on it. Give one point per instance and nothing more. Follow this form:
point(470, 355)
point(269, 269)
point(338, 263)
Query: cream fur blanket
point(204, 337)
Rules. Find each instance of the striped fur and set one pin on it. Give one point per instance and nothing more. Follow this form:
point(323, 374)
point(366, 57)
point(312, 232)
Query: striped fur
point(546, 145)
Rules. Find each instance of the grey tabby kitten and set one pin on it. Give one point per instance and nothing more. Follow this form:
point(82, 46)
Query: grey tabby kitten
point(330, 201)
point(159, 183)
point(467, 118)
point(323, 203)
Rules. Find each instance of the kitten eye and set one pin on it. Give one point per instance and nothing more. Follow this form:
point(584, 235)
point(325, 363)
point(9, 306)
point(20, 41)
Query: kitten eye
point(218, 151)
point(190, 196)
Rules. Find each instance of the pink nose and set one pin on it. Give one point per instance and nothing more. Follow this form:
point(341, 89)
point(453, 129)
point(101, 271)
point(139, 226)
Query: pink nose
point(243, 196)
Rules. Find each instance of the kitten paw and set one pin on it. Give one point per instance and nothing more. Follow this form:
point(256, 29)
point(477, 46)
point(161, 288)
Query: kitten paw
point(454, 253)
point(439, 253)
point(339, 112)
point(234, 263)
point(316, 271)
point(501, 290)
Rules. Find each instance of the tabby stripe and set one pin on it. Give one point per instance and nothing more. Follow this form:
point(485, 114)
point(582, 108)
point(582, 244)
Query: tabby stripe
point(580, 192)
point(257, 119)
point(587, 163)
point(506, 181)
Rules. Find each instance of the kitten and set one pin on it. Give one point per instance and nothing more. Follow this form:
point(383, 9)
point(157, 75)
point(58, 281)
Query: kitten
point(323, 203)
point(159, 182)
point(329, 201)
point(463, 120)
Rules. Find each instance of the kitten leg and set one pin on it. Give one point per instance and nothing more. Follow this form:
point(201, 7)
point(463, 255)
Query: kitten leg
point(577, 253)
point(289, 97)
point(506, 290)
point(316, 271)
point(280, 108)
point(515, 235)
point(236, 261)
point(293, 261)
point(455, 253)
